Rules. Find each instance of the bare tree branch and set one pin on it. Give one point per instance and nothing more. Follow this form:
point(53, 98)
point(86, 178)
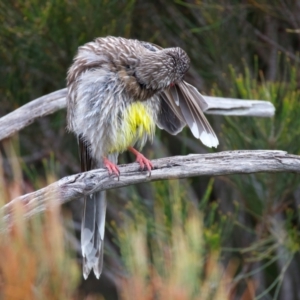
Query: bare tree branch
point(48, 104)
point(215, 164)
point(239, 107)
point(26, 114)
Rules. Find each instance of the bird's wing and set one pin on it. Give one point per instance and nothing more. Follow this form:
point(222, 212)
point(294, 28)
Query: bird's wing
point(169, 117)
point(93, 219)
point(192, 105)
point(182, 104)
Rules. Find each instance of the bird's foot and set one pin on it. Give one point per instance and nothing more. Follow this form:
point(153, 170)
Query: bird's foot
point(142, 160)
point(111, 167)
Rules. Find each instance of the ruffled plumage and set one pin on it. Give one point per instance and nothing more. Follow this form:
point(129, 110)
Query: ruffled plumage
point(118, 89)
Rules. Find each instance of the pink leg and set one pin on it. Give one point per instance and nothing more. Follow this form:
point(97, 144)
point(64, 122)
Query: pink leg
point(141, 159)
point(111, 167)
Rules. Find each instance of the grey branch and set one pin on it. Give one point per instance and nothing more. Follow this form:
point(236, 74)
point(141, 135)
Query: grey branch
point(26, 114)
point(238, 107)
point(216, 164)
point(48, 104)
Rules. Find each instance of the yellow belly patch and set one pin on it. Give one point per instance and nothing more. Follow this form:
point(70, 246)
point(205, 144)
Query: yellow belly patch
point(137, 125)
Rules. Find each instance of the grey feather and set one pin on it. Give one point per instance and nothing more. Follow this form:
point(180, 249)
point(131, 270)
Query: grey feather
point(196, 96)
point(93, 219)
point(169, 117)
point(182, 104)
point(190, 105)
point(92, 233)
point(174, 93)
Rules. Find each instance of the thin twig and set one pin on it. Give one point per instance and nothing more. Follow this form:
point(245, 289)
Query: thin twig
point(272, 43)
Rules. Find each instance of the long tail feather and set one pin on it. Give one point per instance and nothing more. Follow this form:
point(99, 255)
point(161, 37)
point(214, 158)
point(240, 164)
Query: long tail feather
point(92, 233)
point(93, 220)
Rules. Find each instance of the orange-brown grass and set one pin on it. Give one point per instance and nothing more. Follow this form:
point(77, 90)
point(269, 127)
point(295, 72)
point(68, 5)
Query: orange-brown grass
point(35, 261)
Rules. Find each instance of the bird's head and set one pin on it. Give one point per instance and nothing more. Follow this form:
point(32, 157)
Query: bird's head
point(158, 70)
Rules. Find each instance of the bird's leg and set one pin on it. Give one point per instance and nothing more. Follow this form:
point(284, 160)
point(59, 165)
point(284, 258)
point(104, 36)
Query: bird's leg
point(111, 167)
point(141, 159)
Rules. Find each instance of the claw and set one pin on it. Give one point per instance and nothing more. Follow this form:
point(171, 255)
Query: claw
point(111, 167)
point(142, 160)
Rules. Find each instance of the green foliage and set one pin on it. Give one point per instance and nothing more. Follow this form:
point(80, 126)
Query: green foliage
point(38, 40)
point(267, 198)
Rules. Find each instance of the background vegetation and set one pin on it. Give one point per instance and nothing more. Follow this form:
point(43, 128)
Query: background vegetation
point(234, 237)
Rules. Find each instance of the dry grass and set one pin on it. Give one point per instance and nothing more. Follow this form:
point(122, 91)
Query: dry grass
point(35, 260)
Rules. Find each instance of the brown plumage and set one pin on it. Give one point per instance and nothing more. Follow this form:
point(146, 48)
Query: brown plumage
point(118, 89)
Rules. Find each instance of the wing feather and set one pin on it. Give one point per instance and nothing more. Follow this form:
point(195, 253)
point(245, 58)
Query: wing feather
point(174, 94)
point(190, 105)
point(169, 117)
point(196, 96)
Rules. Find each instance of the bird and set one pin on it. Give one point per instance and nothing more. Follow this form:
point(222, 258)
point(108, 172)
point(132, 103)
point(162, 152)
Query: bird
point(118, 91)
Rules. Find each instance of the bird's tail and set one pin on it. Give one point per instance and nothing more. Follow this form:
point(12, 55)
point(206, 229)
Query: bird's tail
point(92, 230)
point(92, 233)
